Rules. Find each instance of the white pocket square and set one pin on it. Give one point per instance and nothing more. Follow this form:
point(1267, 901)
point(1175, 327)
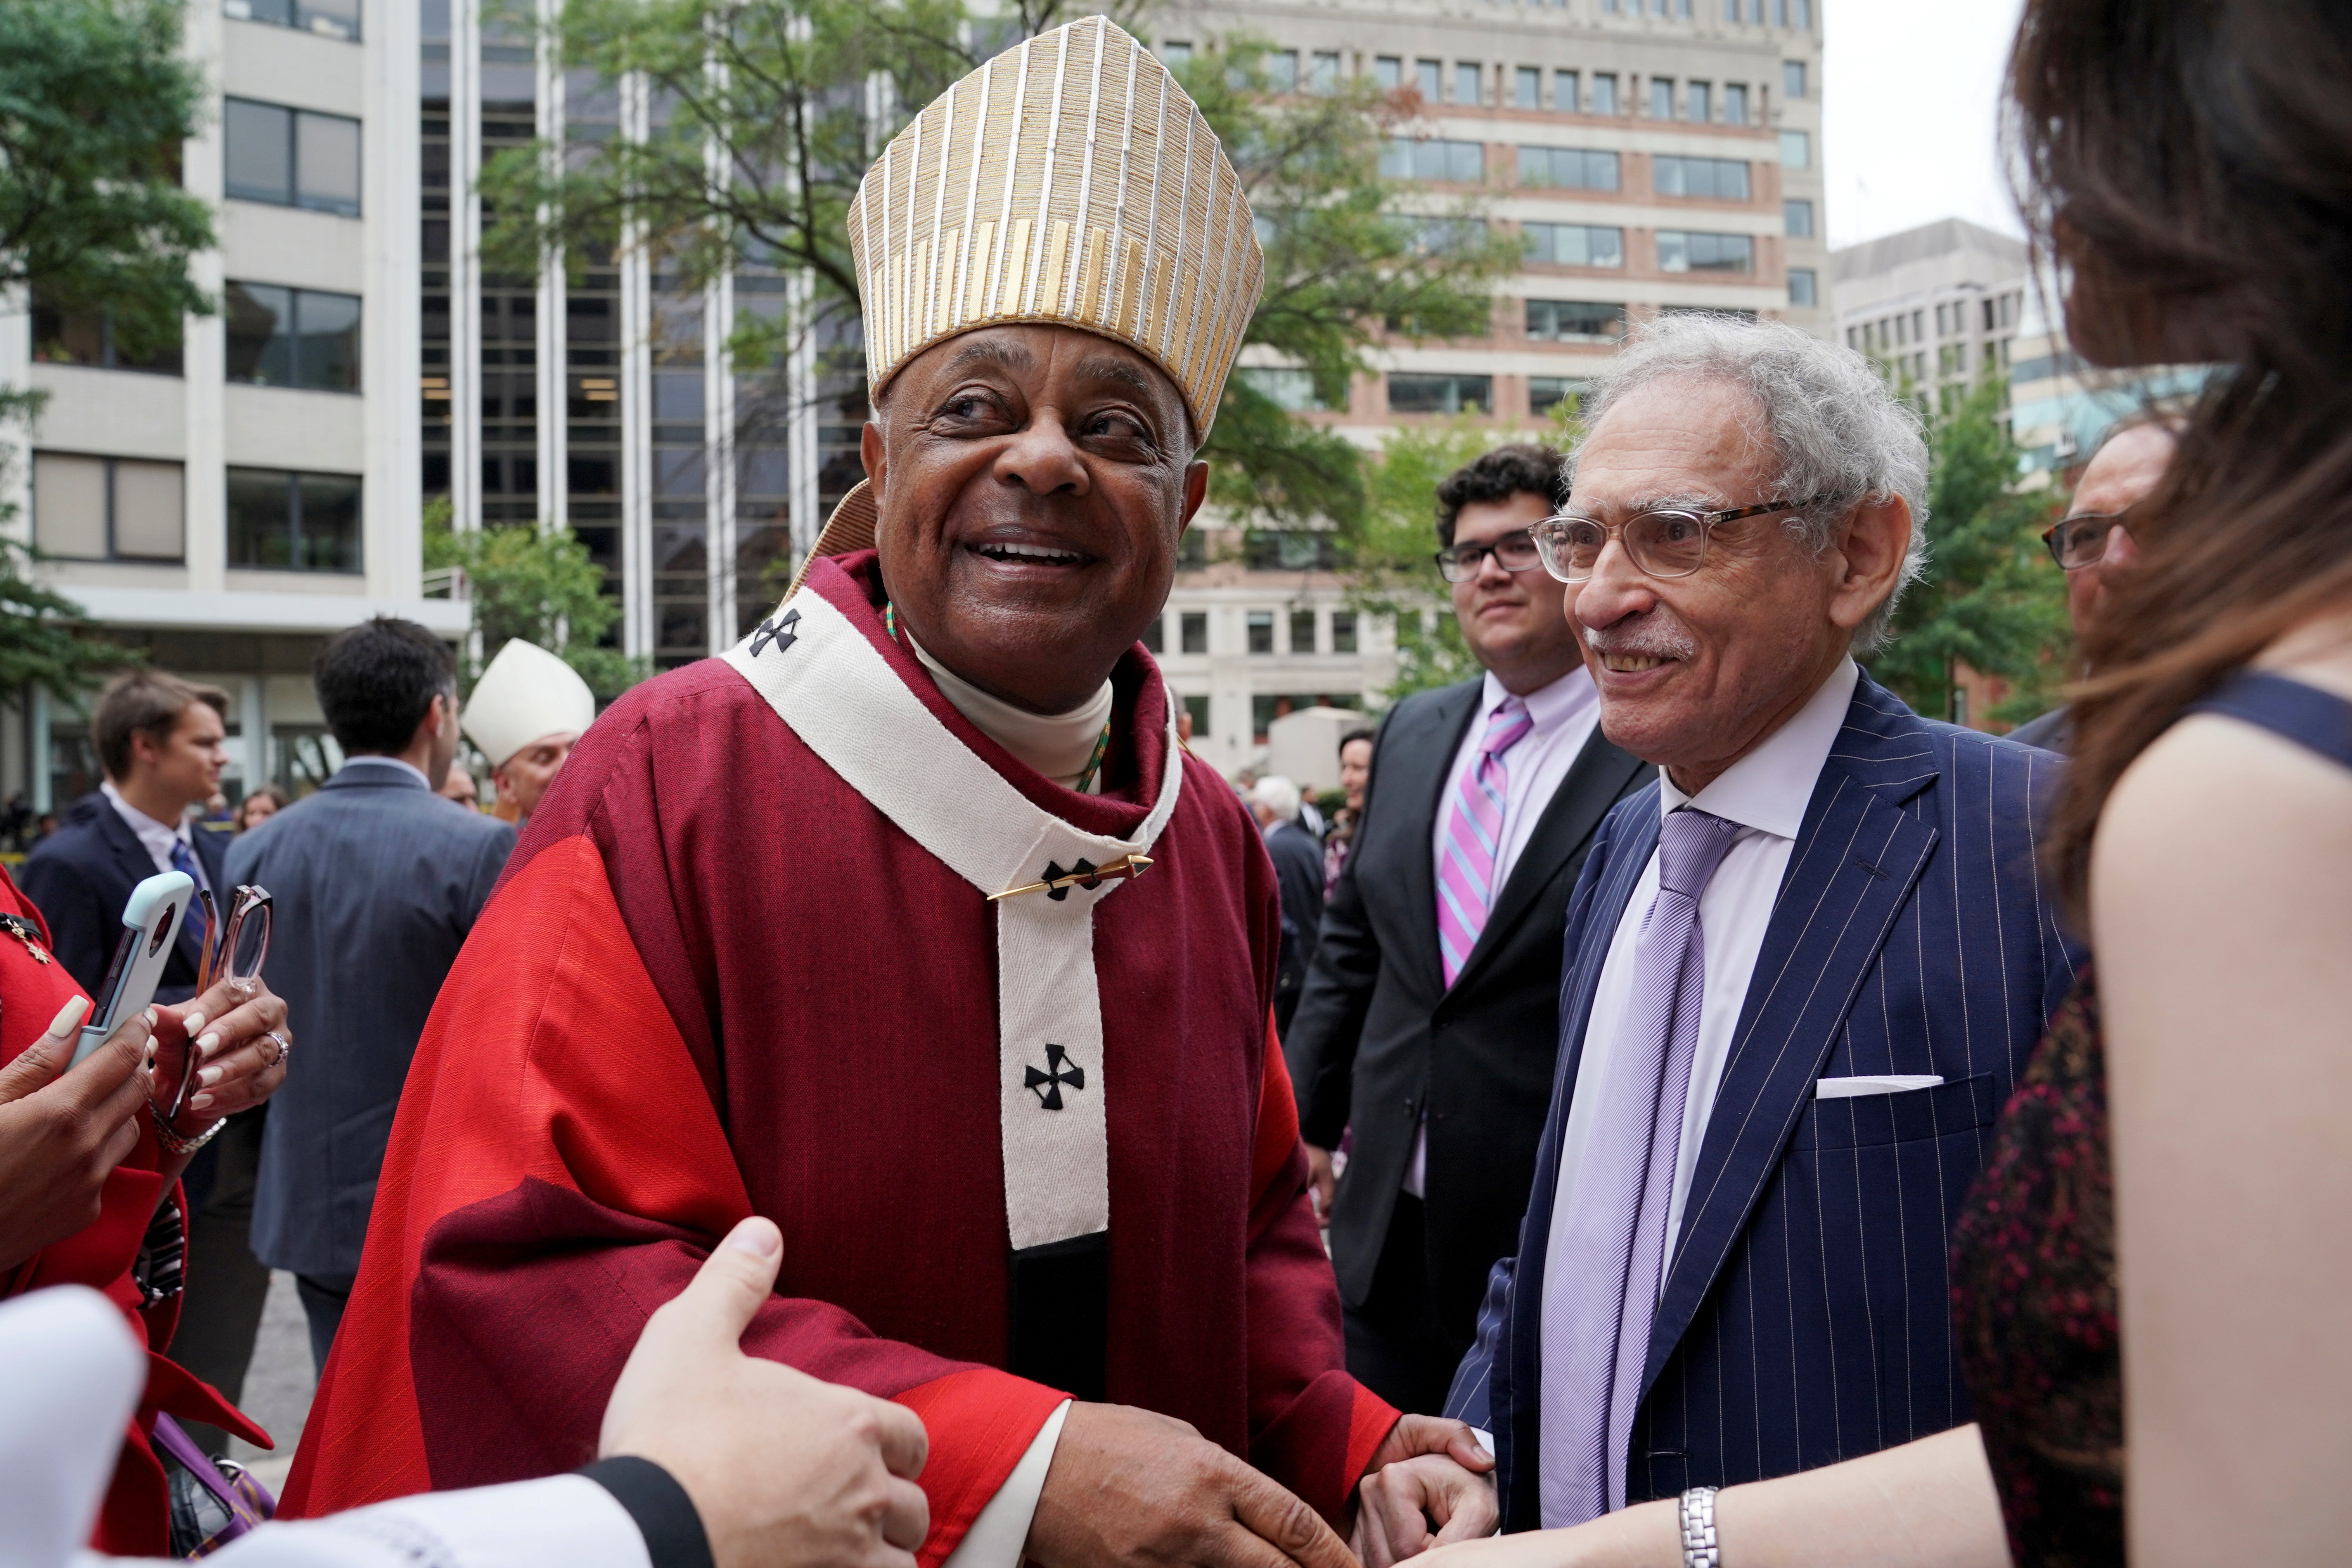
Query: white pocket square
point(1890, 1083)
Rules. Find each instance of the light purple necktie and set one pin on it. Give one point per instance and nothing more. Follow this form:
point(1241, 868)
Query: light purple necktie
point(1473, 838)
point(1607, 1262)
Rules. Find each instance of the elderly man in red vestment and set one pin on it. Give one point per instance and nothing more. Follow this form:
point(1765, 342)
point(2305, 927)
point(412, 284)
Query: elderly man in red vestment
point(909, 925)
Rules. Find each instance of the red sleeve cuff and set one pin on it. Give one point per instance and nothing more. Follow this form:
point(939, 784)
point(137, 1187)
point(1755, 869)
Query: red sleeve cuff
point(980, 1422)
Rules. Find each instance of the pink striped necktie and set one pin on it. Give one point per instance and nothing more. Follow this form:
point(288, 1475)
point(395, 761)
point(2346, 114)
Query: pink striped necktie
point(1473, 838)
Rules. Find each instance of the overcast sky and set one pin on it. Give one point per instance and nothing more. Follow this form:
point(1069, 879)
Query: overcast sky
point(1911, 95)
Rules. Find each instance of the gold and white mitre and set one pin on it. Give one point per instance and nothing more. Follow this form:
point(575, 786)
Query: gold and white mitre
point(1069, 182)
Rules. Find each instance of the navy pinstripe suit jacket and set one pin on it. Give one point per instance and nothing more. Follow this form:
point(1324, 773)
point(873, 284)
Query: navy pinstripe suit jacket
point(1806, 1314)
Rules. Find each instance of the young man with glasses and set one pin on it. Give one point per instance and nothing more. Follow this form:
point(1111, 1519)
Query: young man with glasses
point(1428, 1018)
point(2092, 542)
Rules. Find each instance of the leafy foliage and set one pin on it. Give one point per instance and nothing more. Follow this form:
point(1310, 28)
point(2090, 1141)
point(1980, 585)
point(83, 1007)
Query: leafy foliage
point(1390, 571)
point(1991, 598)
point(43, 639)
point(769, 111)
point(535, 584)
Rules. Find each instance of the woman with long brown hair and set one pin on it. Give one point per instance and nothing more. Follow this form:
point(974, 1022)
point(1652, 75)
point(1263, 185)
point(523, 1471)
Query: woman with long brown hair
point(2186, 165)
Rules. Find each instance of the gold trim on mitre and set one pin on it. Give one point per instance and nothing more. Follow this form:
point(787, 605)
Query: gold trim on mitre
point(1068, 181)
point(850, 527)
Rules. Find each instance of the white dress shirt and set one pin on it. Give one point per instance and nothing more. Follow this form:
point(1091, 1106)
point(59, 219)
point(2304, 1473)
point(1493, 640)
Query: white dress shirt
point(1766, 791)
point(1564, 715)
point(156, 838)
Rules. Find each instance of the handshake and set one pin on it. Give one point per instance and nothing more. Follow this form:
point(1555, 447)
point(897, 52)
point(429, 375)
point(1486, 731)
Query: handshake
point(789, 1472)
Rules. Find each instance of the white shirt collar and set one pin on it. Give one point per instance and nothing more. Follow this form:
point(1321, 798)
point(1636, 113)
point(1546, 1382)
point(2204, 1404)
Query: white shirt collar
point(1058, 745)
point(411, 769)
point(1768, 789)
point(156, 838)
point(1548, 707)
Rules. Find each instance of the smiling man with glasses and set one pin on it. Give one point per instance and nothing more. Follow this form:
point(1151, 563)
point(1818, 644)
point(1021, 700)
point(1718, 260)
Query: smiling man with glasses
point(1801, 966)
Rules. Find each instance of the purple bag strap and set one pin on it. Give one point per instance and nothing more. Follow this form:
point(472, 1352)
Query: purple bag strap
point(247, 1504)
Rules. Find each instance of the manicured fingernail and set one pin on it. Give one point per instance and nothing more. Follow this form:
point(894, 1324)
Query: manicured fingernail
point(200, 1102)
point(149, 1017)
point(69, 1014)
point(208, 1045)
point(762, 1241)
point(209, 1076)
point(192, 1022)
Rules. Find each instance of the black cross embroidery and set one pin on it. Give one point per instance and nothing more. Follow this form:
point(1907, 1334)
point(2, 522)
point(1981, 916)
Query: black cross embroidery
point(1053, 873)
point(779, 632)
point(1061, 1070)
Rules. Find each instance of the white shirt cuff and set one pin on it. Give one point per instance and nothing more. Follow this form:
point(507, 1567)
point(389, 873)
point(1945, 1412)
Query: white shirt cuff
point(1000, 1533)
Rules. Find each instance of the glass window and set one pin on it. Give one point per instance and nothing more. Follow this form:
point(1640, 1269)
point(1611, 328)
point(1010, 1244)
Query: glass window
point(1467, 87)
point(1325, 76)
point(327, 163)
point(328, 18)
point(1195, 630)
point(1388, 70)
point(76, 337)
point(1797, 217)
point(1803, 287)
point(1302, 631)
point(1261, 631)
point(1662, 97)
point(259, 139)
point(1792, 78)
point(1796, 149)
point(1722, 179)
point(69, 506)
point(1290, 389)
point(1604, 92)
point(1566, 95)
point(1343, 631)
point(1735, 103)
point(1155, 638)
point(1175, 54)
point(148, 515)
point(1197, 710)
point(297, 522)
point(1679, 251)
point(1428, 76)
point(1526, 91)
point(327, 341)
point(1546, 393)
point(1281, 70)
point(1575, 244)
point(1440, 235)
point(1421, 394)
point(1700, 98)
point(292, 337)
point(1451, 163)
point(1575, 321)
point(1804, 12)
point(1577, 168)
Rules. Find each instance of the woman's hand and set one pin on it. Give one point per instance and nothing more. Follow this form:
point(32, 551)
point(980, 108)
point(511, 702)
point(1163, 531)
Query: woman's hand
point(61, 1137)
point(241, 1045)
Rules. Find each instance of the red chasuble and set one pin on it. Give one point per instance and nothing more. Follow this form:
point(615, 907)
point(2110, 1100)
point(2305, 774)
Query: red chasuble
point(716, 980)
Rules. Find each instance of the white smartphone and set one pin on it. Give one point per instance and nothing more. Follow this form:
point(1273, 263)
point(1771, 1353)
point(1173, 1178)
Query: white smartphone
point(151, 924)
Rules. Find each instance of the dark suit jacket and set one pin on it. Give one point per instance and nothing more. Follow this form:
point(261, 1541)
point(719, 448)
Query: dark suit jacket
point(81, 875)
point(376, 881)
point(1807, 1310)
point(1298, 877)
point(2053, 731)
point(1378, 1035)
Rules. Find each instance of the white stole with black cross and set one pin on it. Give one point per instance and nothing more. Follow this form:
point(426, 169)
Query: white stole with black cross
point(840, 697)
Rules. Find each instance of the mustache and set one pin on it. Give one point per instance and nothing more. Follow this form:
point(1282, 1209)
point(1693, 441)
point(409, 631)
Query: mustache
point(1647, 637)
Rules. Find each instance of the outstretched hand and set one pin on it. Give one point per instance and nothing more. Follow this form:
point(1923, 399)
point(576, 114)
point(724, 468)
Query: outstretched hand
point(786, 1472)
point(1428, 1485)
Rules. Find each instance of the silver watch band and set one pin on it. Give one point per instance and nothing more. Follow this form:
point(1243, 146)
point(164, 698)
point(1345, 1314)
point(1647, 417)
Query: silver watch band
point(1699, 1548)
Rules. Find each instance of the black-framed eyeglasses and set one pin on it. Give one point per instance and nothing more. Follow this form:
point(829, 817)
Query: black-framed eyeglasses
point(1665, 543)
point(1514, 552)
point(2081, 539)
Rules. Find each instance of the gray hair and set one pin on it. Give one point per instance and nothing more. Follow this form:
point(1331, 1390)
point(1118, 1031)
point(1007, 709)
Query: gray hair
point(1842, 437)
point(1278, 796)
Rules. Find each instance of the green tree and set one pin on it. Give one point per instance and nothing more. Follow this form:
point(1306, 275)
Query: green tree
point(1388, 566)
point(535, 584)
point(1992, 599)
point(95, 101)
point(765, 130)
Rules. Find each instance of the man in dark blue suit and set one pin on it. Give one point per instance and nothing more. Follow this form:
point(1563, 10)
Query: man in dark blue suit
point(377, 879)
point(1802, 967)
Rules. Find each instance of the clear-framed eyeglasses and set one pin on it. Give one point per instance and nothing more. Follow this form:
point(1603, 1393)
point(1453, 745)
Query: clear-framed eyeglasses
point(237, 950)
point(1665, 543)
point(2081, 539)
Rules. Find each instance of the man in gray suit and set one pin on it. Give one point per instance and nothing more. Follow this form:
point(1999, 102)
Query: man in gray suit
point(376, 882)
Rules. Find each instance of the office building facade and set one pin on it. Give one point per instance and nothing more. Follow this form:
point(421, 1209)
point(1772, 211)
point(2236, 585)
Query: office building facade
point(1941, 307)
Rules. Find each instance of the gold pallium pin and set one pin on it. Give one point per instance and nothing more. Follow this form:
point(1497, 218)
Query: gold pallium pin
point(1058, 882)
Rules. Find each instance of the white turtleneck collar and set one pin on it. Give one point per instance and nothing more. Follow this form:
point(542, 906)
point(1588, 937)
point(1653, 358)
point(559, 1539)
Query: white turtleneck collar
point(1058, 745)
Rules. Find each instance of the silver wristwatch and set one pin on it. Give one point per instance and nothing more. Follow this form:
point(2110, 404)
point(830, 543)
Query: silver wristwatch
point(1699, 1548)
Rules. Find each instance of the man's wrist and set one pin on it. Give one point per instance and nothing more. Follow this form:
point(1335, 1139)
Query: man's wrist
point(658, 1505)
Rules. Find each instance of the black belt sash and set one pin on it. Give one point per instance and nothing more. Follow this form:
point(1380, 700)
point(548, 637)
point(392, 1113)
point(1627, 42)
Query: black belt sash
point(1061, 1314)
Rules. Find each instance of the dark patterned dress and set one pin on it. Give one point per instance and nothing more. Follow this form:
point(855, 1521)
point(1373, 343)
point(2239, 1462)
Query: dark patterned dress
point(2034, 1302)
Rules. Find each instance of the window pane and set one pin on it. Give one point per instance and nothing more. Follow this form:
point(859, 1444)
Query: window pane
point(1801, 286)
point(1261, 631)
point(1575, 321)
point(1175, 56)
point(1796, 149)
point(1343, 631)
point(1302, 631)
point(1702, 103)
point(1564, 95)
point(678, 472)
point(1799, 219)
point(677, 397)
point(1426, 75)
point(1662, 97)
point(1792, 78)
point(1604, 92)
point(1196, 631)
point(258, 139)
point(1464, 162)
point(330, 18)
point(62, 337)
point(260, 321)
point(330, 523)
point(147, 511)
point(1155, 637)
point(1281, 70)
point(1466, 83)
point(1326, 78)
point(326, 354)
point(1546, 393)
point(1389, 72)
point(1734, 104)
point(260, 517)
point(327, 163)
point(1528, 92)
point(1440, 394)
point(1197, 710)
point(69, 505)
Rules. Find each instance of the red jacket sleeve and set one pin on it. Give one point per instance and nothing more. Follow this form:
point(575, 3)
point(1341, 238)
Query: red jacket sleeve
point(556, 1171)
